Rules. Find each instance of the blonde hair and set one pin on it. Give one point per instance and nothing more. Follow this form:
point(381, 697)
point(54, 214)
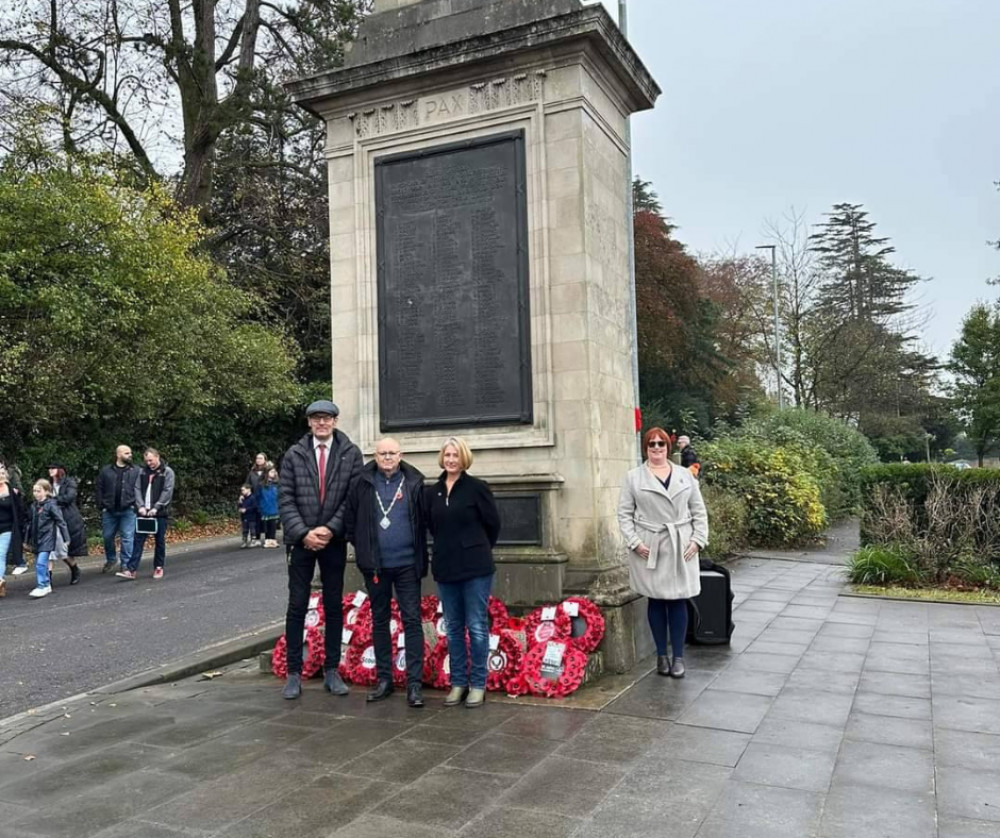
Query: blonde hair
point(464, 453)
point(44, 485)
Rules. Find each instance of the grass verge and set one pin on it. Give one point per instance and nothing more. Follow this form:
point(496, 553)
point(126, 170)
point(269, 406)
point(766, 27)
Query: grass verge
point(979, 597)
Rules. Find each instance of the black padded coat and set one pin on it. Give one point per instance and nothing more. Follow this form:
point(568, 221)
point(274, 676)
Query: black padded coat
point(298, 492)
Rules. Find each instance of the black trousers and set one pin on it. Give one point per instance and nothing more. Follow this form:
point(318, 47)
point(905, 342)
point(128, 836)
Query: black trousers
point(301, 569)
point(407, 585)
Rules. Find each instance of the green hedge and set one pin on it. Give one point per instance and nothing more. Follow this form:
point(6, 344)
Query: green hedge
point(946, 519)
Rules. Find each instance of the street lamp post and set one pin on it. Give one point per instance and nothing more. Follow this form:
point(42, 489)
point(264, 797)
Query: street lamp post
point(777, 322)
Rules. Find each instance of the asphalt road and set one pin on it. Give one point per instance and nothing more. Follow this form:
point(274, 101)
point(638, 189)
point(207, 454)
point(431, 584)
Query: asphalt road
point(105, 628)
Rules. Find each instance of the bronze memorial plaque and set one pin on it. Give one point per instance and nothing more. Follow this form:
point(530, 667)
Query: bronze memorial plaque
point(454, 336)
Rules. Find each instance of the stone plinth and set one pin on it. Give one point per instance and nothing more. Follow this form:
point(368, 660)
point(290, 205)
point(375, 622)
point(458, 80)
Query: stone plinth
point(427, 73)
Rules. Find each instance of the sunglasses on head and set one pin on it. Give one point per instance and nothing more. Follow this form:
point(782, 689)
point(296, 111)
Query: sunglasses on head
point(657, 443)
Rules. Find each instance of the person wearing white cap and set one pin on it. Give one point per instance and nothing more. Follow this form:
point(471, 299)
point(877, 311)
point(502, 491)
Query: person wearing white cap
point(316, 475)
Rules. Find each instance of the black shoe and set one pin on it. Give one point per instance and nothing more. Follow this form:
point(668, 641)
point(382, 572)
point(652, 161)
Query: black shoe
point(383, 689)
point(662, 664)
point(415, 695)
point(293, 686)
point(677, 670)
point(74, 574)
point(333, 683)
point(108, 567)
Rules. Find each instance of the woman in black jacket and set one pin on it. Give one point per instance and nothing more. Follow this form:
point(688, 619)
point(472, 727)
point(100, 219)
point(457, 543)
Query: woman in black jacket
point(11, 527)
point(465, 524)
point(64, 491)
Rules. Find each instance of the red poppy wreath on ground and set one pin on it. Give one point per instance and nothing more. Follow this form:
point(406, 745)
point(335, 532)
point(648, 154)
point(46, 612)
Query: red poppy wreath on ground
point(497, 612)
point(428, 608)
point(357, 615)
point(547, 623)
point(399, 660)
point(553, 669)
point(437, 666)
point(315, 615)
point(503, 660)
point(359, 665)
point(587, 623)
point(313, 654)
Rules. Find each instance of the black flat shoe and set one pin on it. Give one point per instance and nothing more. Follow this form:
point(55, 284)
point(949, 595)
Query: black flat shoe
point(662, 664)
point(677, 670)
point(415, 695)
point(74, 574)
point(293, 686)
point(383, 689)
point(333, 683)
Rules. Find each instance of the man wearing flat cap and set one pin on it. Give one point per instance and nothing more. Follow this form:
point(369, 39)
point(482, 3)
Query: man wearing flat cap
point(316, 475)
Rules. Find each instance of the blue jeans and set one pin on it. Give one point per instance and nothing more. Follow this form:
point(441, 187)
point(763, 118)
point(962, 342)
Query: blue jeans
point(118, 523)
point(159, 550)
point(42, 570)
point(465, 606)
point(5, 538)
point(668, 617)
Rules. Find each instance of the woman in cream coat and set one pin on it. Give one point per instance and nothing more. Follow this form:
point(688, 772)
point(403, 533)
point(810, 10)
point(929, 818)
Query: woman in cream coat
point(664, 523)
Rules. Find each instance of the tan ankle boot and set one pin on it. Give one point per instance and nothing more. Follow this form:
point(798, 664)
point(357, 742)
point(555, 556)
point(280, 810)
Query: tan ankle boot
point(455, 697)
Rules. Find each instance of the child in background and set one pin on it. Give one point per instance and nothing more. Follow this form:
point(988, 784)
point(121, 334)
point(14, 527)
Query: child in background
point(267, 503)
point(47, 524)
point(248, 515)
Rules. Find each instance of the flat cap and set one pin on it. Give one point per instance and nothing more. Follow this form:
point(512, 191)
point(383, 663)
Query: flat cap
point(323, 406)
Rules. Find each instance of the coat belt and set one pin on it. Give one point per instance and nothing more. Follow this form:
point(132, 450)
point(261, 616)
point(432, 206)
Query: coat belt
point(663, 532)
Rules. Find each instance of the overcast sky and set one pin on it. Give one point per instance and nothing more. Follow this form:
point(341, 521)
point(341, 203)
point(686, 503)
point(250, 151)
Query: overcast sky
point(891, 103)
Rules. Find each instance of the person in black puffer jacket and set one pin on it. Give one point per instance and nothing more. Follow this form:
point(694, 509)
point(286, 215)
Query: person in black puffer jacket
point(313, 509)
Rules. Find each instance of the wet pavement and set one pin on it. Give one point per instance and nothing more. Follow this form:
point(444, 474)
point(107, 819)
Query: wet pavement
point(828, 716)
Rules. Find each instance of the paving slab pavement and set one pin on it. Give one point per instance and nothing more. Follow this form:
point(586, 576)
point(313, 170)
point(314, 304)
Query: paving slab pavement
point(828, 716)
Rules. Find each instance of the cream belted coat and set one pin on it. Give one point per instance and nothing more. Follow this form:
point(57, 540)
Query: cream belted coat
point(666, 522)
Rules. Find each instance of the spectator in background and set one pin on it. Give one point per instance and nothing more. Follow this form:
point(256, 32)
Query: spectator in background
point(248, 515)
point(154, 493)
point(689, 457)
point(45, 529)
point(12, 524)
point(15, 555)
point(115, 494)
point(256, 478)
point(64, 491)
point(267, 507)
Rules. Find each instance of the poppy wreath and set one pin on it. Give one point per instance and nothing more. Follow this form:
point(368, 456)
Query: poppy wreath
point(428, 608)
point(279, 658)
point(437, 666)
point(355, 615)
point(503, 662)
point(315, 616)
point(399, 661)
point(496, 610)
point(541, 631)
point(588, 627)
point(314, 652)
point(574, 667)
point(360, 664)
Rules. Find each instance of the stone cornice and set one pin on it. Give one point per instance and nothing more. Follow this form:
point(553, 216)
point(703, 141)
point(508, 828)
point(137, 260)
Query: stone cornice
point(592, 25)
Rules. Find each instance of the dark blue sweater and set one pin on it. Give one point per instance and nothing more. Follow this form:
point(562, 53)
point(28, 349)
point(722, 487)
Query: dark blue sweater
point(395, 544)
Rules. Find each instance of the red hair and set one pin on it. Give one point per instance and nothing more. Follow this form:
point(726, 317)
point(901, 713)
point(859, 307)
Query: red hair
point(654, 433)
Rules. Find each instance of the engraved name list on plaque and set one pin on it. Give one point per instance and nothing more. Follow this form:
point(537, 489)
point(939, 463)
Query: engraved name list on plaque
point(453, 317)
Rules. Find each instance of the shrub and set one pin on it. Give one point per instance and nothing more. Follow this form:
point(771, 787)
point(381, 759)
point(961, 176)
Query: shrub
point(776, 483)
point(836, 453)
point(728, 522)
point(882, 566)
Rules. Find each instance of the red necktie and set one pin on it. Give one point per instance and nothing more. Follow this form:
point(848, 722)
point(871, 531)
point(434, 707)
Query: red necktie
point(322, 473)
